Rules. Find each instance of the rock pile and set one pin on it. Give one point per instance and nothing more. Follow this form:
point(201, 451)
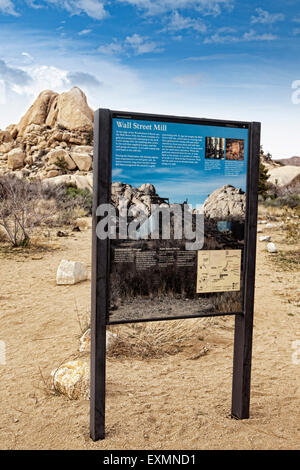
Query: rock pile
point(226, 203)
point(54, 138)
point(141, 197)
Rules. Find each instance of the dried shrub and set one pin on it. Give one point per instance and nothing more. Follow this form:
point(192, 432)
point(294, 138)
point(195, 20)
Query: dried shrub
point(22, 208)
point(158, 339)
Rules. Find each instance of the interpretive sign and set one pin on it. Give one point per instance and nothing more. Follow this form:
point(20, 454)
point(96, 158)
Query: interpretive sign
point(174, 234)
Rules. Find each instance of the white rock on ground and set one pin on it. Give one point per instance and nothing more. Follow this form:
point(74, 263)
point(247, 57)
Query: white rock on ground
point(270, 226)
point(266, 238)
point(272, 248)
point(73, 379)
point(71, 272)
point(85, 341)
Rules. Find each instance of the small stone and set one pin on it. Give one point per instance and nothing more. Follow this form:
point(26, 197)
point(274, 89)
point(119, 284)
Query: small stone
point(73, 379)
point(266, 238)
point(61, 234)
point(85, 341)
point(270, 226)
point(71, 272)
point(272, 248)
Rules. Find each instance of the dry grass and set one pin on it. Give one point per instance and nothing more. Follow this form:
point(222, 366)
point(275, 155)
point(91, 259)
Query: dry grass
point(287, 260)
point(273, 212)
point(158, 339)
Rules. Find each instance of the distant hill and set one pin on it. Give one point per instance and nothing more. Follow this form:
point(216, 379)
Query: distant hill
point(293, 161)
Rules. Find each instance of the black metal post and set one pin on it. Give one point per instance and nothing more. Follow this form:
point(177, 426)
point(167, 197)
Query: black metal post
point(100, 275)
point(244, 323)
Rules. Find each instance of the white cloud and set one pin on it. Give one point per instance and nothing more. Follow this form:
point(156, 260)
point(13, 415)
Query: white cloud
point(177, 22)
point(7, 7)
point(83, 79)
point(111, 49)
point(13, 75)
point(93, 8)
point(189, 80)
point(141, 45)
point(212, 57)
point(220, 38)
point(84, 32)
point(253, 36)
point(137, 44)
point(27, 56)
point(264, 17)
point(32, 4)
point(155, 7)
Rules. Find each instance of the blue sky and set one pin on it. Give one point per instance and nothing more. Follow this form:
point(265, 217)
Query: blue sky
point(227, 59)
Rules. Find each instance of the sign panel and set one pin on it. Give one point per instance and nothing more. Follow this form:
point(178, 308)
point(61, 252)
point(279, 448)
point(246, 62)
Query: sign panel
point(219, 271)
point(174, 232)
point(170, 175)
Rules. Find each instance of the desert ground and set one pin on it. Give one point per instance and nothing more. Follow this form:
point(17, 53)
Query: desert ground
point(173, 401)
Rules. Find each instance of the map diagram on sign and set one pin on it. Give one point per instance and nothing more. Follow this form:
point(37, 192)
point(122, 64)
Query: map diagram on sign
point(219, 271)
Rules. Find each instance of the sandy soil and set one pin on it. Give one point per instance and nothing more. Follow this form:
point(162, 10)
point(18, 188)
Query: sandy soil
point(169, 403)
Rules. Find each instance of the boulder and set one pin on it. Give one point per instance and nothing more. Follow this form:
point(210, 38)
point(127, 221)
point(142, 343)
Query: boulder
point(147, 189)
point(73, 379)
point(83, 161)
point(226, 203)
point(13, 130)
point(284, 175)
point(77, 181)
point(85, 341)
point(60, 155)
point(70, 111)
point(71, 272)
point(15, 159)
point(6, 147)
point(5, 137)
point(83, 182)
point(53, 173)
point(38, 112)
point(83, 149)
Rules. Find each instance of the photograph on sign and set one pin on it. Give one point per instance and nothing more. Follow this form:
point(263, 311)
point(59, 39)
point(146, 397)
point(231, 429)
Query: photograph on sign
point(179, 194)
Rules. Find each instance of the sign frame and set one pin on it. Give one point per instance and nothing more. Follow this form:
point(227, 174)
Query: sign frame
point(100, 290)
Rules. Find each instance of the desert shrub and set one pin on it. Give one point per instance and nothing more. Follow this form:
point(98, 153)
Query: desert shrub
point(79, 197)
point(71, 202)
point(61, 164)
point(155, 340)
point(263, 180)
point(42, 153)
point(22, 207)
point(290, 200)
point(61, 127)
point(89, 136)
